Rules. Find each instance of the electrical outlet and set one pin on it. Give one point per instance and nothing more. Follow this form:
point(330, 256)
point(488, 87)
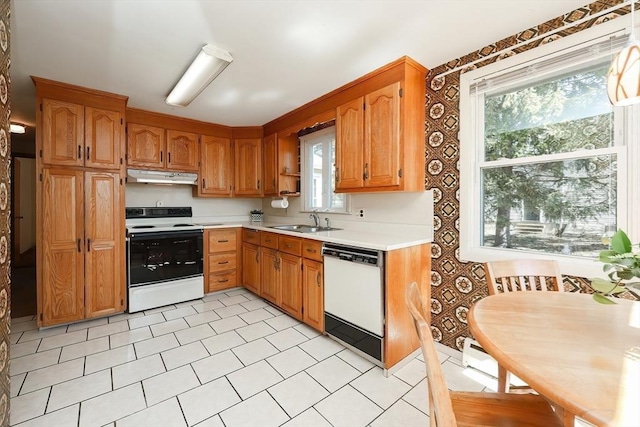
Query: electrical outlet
point(360, 213)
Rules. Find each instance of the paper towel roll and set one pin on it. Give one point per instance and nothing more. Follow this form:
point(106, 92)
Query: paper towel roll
point(280, 203)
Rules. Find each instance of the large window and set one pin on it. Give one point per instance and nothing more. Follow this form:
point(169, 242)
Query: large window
point(318, 172)
point(544, 158)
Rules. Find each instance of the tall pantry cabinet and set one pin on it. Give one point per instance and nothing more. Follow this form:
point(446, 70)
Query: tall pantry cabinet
point(80, 235)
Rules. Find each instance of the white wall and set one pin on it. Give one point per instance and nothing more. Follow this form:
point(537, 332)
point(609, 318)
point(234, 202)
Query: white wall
point(145, 195)
point(388, 212)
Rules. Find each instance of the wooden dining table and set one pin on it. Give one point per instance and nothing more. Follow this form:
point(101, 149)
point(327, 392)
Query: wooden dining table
point(581, 355)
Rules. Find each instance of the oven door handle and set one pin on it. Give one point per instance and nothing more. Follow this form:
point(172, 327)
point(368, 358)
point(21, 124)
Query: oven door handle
point(162, 234)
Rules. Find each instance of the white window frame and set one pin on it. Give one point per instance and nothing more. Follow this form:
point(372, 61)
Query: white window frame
point(472, 152)
point(306, 142)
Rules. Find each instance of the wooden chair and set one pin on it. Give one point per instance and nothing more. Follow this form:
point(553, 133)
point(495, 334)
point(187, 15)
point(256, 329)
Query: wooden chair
point(523, 275)
point(515, 276)
point(450, 409)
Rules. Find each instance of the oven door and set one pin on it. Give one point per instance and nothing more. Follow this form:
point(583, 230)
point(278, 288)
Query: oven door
point(158, 257)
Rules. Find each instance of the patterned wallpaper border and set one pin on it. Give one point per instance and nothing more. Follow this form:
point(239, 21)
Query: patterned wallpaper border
point(5, 211)
point(456, 285)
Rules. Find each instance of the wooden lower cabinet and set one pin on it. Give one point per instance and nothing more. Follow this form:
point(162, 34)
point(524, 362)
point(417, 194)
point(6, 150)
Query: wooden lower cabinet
point(269, 274)
point(81, 231)
point(290, 272)
point(286, 271)
point(313, 294)
point(221, 258)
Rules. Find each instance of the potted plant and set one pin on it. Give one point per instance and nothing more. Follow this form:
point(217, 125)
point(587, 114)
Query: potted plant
point(622, 266)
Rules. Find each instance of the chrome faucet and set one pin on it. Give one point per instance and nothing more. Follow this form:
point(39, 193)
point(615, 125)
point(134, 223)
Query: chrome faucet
point(326, 219)
point(315, 217)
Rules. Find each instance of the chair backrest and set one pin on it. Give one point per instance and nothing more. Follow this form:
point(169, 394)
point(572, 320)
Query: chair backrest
point(523, 275)
point(439, 399)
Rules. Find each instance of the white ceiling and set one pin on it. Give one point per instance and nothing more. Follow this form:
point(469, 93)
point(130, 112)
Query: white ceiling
point(286, 53)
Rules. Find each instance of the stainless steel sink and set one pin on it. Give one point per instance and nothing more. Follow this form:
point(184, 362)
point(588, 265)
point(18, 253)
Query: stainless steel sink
point(303, 228)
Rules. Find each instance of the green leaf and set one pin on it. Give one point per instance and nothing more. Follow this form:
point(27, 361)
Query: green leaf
point(620, 242)
point(602, 299)
point(605, 287)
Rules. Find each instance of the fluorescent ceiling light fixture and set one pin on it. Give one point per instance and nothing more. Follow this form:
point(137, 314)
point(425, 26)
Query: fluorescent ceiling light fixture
point(17, 128)
point(623, 78)
point(210, 62)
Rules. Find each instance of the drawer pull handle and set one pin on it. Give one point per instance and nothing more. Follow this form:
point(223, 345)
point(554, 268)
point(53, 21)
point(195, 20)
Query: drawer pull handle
point(79, 151)
point(289, 245)
point(267, 240)
point(222, 241)
point(313, 251)
point(223, 262)
point(318, 278)
point(223, 280)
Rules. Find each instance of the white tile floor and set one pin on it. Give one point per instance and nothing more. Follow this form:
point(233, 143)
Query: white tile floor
point(228, 359)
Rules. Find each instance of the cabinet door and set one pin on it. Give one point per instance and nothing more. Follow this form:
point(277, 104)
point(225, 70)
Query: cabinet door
point(62, 278)
point(216, 168)
point(269, 272)
point(145, 146)
point(349, 145)
point(182, 151)
point(63, 133)
point(313, 294)
point(248, 170)
point(382, 137)
point(251, 267)
point(270, 149)
point(103, 138)
point(291, 284)
point(104, 232)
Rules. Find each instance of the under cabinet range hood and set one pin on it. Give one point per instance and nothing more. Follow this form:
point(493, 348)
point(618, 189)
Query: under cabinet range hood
point(161, 177)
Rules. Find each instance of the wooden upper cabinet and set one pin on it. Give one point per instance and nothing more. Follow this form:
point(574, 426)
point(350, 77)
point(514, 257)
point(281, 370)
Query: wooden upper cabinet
point(63, 133)
point(61, 288)
point(216, 167)
point(104, 260)
point(382, 137)
point(182, 151)
point(248, 167)
point(270, 164)
point(145, 146)
point(103, 138)
point(349, 145)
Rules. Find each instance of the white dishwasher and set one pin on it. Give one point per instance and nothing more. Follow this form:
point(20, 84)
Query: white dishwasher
point(354, 298)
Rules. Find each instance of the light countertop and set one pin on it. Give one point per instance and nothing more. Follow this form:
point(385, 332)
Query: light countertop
point(370, 240)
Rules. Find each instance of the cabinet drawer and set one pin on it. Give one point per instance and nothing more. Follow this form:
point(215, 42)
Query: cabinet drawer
point(251, 236)
point(312, 249)
point(269, 240)
point(290, 245)
point(224, 280)
point(222, 240)
point(221, 262)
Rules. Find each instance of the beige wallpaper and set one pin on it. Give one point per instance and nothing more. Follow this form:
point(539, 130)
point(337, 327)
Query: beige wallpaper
point(456, 285)
point(5, 212)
